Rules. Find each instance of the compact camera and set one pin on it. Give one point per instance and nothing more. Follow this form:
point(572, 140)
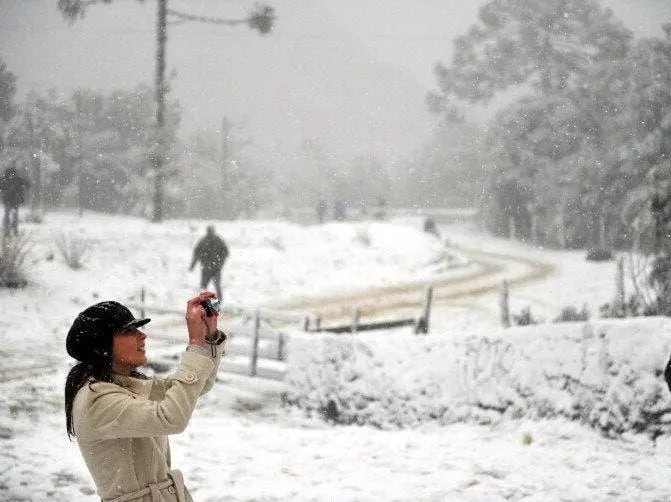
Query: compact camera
point(211, 306)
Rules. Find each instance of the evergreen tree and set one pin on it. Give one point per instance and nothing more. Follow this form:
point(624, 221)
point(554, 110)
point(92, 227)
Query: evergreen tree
point(7, 92)
point(552, 136)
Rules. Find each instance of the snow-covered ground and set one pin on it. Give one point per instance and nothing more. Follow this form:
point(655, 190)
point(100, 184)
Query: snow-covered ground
point(242, 445)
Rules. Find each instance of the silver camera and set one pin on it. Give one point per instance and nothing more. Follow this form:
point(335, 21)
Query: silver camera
point(211, 306)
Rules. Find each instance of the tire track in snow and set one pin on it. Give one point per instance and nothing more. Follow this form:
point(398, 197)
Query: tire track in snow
point(386, 301)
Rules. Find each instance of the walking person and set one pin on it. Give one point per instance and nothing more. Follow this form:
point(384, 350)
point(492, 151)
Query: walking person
point(211, 251)
point(321, 211)
point(13, 188)
point(120, 418)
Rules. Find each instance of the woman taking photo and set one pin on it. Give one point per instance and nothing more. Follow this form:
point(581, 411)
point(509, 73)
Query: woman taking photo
point(121, 418)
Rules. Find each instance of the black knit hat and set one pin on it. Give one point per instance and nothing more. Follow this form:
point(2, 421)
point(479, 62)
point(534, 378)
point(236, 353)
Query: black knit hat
point(90, 337)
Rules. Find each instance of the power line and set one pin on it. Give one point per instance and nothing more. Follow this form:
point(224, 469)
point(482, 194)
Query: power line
point(23, 27)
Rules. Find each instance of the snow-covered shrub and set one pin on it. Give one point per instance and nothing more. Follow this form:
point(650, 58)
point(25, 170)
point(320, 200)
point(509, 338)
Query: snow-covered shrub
point(599, 254)
point(73, 250)
point(276, 243)
point(363, 237)
point(524, 318)
point(606, 374)
point(14, 264)
point(572, 314)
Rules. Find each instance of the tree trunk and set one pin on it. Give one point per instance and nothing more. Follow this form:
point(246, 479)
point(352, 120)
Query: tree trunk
point(512, 233)
point(80, 186)
point(534, 229)
point(562, 225)
point(36, 205)
point(504, 304)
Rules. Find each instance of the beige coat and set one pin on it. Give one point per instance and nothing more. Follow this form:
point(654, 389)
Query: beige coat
point(122, 429)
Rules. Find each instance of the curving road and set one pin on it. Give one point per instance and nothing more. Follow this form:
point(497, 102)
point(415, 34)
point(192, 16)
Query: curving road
point(484, 276)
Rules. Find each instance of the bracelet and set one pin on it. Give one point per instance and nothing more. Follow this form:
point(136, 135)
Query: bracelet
point(217, 338)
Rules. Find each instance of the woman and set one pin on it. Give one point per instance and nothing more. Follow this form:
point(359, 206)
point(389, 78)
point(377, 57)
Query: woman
point(121, 419)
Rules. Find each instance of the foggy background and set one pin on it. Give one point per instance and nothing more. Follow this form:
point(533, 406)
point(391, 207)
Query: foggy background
point(351, 74)
point(331, 105)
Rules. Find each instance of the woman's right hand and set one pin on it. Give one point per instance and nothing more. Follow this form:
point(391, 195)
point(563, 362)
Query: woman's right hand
point(197, 323)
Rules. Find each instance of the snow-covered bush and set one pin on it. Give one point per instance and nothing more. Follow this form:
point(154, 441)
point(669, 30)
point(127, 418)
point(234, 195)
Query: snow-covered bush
point(14, 264)
point(524, 318)
point(606, 374)
point(73, 250)
point(572, 314)
point(599, 254)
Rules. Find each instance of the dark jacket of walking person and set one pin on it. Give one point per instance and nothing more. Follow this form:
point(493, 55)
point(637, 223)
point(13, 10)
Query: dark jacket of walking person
point(211, 251)
point(13, 188)
point(120, 418)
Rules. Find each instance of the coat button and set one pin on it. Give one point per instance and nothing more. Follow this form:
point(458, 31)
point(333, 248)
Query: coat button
point(171, 489)
point(190, 377)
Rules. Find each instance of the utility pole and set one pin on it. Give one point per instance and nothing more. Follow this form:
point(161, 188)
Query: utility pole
point(35, 167)
point(223, 202)
point(225, 151)
point(260, 19)
point(78, 154)
point(159, 153)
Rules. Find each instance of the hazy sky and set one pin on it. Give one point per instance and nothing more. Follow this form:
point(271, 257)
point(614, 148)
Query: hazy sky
point(351, 74)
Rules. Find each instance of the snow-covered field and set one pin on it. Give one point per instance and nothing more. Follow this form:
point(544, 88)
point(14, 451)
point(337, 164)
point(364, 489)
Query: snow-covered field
point(242, 445)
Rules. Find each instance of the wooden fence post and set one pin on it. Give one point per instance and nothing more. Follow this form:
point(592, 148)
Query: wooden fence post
point(255, 346)
point(142, 297)
point(620, 301)
point(356, 319)
point(318, 324)
point(505, 305)
point(280, 346)
point(306, 323)
point(422, 325)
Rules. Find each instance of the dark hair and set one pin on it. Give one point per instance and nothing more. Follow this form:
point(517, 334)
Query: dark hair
point(76, 379)
point(79, 375)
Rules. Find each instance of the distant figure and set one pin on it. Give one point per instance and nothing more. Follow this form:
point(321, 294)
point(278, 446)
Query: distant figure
point(381, 209)
point(321, 211)
point(430, 227)
point(13, 188)
point(339, 211)
point(211, 251)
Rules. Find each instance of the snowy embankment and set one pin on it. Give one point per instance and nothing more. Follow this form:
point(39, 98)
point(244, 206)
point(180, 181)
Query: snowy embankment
point(606, 374)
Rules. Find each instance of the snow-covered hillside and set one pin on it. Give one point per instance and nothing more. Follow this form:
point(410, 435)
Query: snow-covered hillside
point(468, 412)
